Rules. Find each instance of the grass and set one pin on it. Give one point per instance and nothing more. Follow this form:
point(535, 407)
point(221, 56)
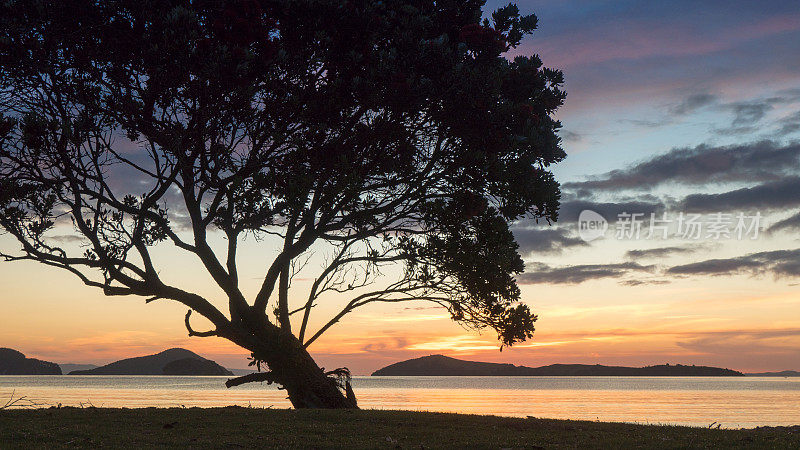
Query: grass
point(236, 427)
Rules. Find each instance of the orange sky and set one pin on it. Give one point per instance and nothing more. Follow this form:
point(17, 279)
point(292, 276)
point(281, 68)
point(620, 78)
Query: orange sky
point(740, 322)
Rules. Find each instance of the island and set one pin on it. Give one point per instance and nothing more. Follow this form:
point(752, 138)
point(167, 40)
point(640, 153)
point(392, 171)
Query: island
point(783, 373)
point(194, 366)
point(175, 361)
point(440, 365)
point(13, 362)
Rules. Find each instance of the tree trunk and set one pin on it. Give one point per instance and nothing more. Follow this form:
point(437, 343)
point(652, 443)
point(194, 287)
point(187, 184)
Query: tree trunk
point(293, 368)
point(306, 383)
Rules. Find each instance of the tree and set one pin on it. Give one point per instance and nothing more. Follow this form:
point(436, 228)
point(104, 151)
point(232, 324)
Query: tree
point(380, 132)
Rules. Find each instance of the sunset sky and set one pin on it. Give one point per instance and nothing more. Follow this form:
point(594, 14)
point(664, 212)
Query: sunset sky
point(673, 108)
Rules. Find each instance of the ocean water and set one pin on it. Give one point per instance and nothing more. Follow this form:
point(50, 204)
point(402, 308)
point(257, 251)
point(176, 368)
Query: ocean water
point(698, 401)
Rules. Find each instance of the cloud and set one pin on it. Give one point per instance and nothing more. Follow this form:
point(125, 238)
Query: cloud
point(617, 56)
point(647, 123)
point(773, 195)
point(570, 136)
point(687, 106)
point(759, 161)
point(791, 223)
point(692, 103)
point(680, 333)
point(543, 274)
point(792, 94)
point(736, 131)
point(570, 210)
point(659, 252)
point(789, 124)
point(642, 282)
point(630, 35)
point(396, 343)
point(454, 344)
point(66, 238)
point(780, 263)
point(744, 341)
point(545, 240)
point(748, 113)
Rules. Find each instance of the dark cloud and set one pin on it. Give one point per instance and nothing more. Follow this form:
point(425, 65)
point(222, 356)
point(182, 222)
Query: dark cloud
point(659, 252)
point(545, 240)
point(674, 113)
point(735, 131)
point(768, 196)
point(789, 124)
point(748, 113)
point(760, 161)
point(543, 274)
point(780, 263)
point(692, 103)
point(570, 136)
point(791, 223)
point(570, 210)
point(647, 123)
point(791, 94)
point(576, 194)
point(633, 283)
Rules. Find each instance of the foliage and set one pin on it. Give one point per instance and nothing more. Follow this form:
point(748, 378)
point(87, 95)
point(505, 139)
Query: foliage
point(396, 133)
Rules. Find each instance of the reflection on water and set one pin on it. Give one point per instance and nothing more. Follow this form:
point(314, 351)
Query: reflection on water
point(734, 402)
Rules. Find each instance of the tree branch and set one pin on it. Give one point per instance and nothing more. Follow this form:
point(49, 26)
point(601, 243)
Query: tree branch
point(251, 378)
point(377, 296)
point(198, 333)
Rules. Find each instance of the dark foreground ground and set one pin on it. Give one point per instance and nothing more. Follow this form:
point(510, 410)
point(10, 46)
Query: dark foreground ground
point(236, 427)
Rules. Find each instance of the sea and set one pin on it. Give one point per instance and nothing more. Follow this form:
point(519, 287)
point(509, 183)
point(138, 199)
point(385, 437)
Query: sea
point(728, 402)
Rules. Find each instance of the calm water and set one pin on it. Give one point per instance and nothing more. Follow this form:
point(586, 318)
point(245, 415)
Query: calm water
point(734, 402)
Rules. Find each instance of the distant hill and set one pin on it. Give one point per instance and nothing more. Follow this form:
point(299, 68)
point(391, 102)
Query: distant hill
point(439, 365)
point(69, 367)
point(784, 373)
point(192, 366)
point(168, 362)
point(13, 362)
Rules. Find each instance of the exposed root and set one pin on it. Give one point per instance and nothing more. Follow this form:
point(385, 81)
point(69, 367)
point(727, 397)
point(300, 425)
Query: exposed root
point(342, 378)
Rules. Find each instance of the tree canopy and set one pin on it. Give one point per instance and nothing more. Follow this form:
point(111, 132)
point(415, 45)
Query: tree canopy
point(389, 132)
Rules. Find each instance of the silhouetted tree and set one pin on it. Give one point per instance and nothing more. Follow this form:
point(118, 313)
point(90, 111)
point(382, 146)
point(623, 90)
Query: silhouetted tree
point(380, 132)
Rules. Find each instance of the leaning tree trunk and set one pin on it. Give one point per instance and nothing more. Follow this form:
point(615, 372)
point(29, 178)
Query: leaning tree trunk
point(293, 368)
point(306, 383)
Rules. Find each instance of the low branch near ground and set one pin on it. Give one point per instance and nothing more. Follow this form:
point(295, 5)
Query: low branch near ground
point(251, 378)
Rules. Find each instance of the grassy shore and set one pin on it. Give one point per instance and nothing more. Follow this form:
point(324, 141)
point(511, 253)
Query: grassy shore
point(236, 427)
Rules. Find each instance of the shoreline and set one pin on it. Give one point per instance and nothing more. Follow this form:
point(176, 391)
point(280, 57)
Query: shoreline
point(265, 427)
